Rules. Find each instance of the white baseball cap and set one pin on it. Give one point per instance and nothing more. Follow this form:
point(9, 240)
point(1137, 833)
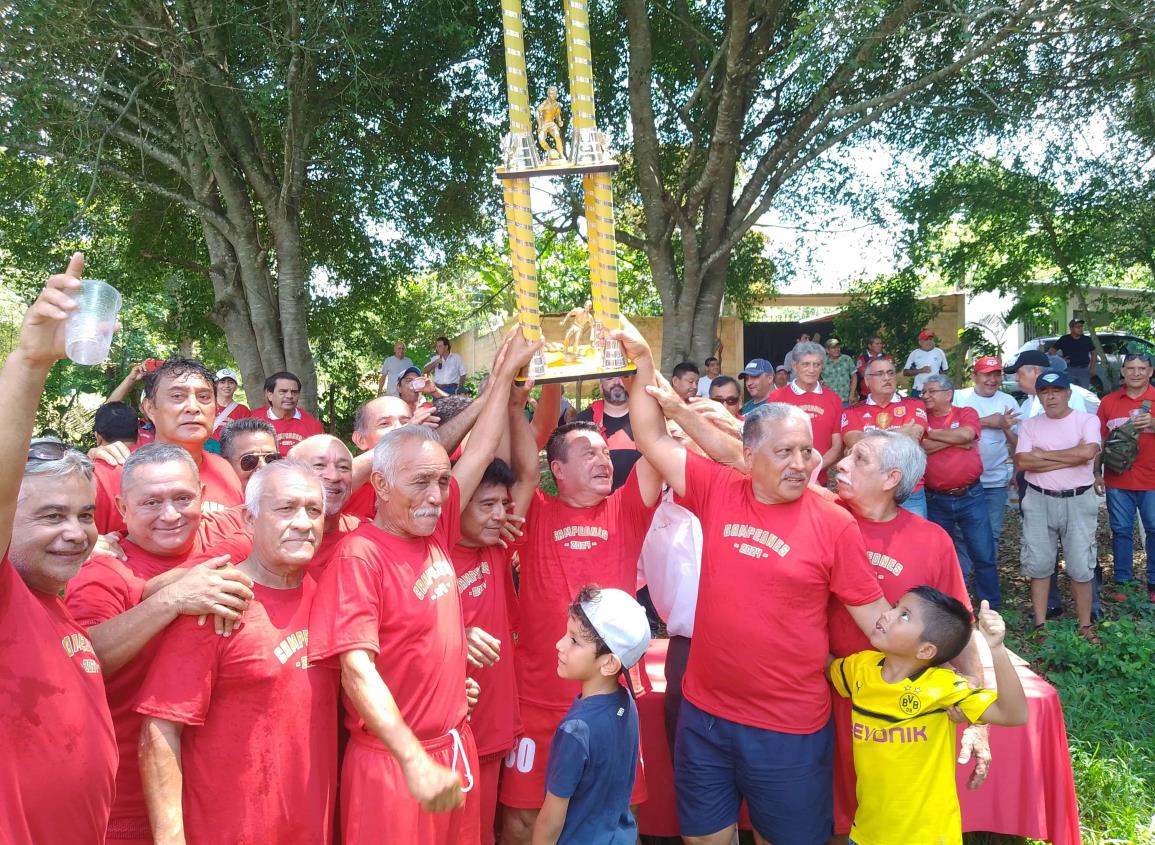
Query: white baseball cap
point(228, 373)
point(621, 623)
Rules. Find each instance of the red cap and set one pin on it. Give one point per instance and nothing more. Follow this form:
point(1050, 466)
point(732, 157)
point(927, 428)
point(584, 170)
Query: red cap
point(926, 334)
point(988, 364)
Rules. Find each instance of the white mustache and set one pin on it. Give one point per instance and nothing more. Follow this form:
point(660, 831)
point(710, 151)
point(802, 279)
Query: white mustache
point(421, 513)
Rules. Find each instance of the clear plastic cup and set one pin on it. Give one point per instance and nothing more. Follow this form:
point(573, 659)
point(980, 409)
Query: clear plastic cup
point(88, 332)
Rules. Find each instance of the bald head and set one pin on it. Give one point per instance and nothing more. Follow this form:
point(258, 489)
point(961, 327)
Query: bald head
point(378, 416)
point(332, 462)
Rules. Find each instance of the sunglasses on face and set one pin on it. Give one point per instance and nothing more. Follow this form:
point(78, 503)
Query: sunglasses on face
point(250, 461)
point(49, 451)
point(728, 400)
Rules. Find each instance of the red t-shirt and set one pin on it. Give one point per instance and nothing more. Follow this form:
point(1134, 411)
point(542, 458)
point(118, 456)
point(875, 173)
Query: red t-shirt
point(58, 761)
point(292, 431)
point(823, 406)
point(397, 598)
point(239, 412)
point(955, 466)
point(345, 525)
point(254, 699)
point(564, 549)
point(1114, 410)
point(106, 587)
point(868, 416)
point(489, 602)
point(221, 485)
point(908, 551)
point(760, 633)
point(362, 503)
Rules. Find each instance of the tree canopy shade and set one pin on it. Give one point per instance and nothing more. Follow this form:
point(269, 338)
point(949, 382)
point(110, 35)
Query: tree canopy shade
point(283, 132)
point(733, 104)
point(988, 227)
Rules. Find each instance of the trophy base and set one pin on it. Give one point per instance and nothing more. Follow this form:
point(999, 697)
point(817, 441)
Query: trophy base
point(585, 362)
point(558, 168)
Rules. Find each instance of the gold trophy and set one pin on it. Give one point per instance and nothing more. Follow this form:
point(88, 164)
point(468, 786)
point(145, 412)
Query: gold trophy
point(565, 358)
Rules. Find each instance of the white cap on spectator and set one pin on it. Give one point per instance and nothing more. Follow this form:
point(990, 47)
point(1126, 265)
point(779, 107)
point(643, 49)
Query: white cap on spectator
point(228, 373)
point(621, 623)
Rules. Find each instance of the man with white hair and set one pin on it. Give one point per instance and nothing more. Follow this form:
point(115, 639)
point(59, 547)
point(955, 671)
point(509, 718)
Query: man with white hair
point(160, 502)
point(387, 614)
point(59, 751)
point(821, 404)
point(755, 719)
point(904, 551)
point(885, 409)
point(252, 697)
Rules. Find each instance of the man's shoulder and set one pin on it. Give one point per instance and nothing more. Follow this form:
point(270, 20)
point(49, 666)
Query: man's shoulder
point(828, 509)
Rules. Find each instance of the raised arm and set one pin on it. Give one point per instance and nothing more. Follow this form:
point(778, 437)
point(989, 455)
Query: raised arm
point(162, 777)
point(1011, 707)
point(437, 788)
point(664, 453)
point(22, 380)
point(545, 417)
point(493, 418)
point(523, 455)
point(121, 391)
point(707, 423)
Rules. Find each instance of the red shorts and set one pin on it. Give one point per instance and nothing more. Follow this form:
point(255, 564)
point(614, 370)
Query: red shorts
point(845, 781)
point(523, 781)
point(376, 805)
point(488, 779)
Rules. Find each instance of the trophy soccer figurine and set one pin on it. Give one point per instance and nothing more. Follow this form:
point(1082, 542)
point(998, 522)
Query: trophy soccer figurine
point(528, 155)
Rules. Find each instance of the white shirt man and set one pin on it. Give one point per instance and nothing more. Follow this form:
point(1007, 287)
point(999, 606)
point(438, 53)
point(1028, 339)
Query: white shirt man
point(392, 369)
point(447, 368)
point(926, 361)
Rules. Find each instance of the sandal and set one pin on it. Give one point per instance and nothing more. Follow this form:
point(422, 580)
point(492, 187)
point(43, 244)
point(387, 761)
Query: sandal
point(1088, 633)
point(1039, 632)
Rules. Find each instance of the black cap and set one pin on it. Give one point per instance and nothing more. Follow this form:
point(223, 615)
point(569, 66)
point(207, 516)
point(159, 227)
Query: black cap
point(1075, 322)
point(1031, 357)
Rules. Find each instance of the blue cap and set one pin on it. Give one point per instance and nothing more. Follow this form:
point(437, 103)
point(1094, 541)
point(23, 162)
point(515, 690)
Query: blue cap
point(757, 367)
point(409, 370)
point(1057, 381)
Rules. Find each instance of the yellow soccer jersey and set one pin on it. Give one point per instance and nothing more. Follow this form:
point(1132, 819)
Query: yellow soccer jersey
point(904, 750)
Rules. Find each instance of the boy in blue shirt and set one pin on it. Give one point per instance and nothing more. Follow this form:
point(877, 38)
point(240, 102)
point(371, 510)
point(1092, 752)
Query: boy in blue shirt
point(594, 753)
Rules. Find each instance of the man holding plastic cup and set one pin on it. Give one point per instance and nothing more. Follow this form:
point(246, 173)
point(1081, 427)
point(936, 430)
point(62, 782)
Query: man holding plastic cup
point(59, 759)
point(180, 399)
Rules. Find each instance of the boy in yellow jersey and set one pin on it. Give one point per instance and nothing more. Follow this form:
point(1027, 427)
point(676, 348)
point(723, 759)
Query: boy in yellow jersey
point(904, 742)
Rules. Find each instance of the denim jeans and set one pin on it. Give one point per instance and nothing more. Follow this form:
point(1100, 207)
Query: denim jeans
point(916, 503)
point(967, 515)
point(997, 512)
point(1122, 505)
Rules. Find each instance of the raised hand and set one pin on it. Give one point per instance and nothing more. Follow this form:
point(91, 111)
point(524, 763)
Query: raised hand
point(42, 332)
point(993, 628)
point(631, 340)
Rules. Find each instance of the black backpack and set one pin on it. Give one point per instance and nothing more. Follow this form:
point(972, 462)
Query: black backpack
point(1122, 446)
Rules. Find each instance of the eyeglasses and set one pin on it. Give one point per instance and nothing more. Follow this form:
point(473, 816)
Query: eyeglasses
point(882, 374)
point(932, 392)
point(728, 400)
point(249, 462)
point(49, 450)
